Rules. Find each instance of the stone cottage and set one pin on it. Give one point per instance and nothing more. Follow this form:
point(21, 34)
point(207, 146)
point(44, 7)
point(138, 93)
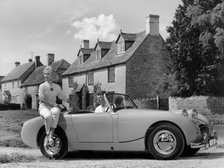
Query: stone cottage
point(132, 64)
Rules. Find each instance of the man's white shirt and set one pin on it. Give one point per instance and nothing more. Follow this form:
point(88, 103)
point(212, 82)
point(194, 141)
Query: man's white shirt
point(101, 109)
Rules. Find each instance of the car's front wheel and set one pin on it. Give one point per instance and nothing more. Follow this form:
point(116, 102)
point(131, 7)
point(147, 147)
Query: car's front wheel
point(58, 149)
point(166, 141)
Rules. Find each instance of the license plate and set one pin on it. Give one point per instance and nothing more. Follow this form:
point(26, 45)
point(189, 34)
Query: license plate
point(212, 142)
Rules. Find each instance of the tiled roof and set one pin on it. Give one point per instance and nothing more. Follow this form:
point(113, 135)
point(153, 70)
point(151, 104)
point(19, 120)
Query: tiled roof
point(37, 76)
point(18, 72)
point(85, 50)
point(111, 58)
point(103, 45)
point(127, 36)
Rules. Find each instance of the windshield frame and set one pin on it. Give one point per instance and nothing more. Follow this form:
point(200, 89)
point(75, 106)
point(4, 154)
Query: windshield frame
point(111, 103)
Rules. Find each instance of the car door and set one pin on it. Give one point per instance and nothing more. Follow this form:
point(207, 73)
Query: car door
point(93, 127)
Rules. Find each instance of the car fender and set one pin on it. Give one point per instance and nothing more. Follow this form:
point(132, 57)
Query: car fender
point(30, 130)
point(134, 124)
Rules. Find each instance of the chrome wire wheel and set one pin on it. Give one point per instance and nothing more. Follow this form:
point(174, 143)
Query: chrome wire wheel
point(165, 142)
point(55, 147)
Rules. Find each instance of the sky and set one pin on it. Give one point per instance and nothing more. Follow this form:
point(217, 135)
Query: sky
point(30, 28)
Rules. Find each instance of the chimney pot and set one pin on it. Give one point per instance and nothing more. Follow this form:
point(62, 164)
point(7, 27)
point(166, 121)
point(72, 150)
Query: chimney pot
point(152, 25)
point(85, 44)
point(50, 58)
point(17, 63)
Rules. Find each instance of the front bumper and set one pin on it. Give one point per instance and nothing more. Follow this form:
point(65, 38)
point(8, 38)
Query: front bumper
point(206, 142)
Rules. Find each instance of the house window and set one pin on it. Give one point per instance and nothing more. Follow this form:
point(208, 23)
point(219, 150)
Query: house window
point(18, 84)
point(111, 74)
point(13, 84)
point(70, 81)
point(90, 78)
point(98, 54)
point(121, 47)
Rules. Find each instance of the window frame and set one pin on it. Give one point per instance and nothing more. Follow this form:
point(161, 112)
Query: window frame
point(90, 78)
point(70, 81)
point(111, 77)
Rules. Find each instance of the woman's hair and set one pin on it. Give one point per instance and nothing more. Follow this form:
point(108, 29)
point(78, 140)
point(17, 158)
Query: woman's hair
point(48, 69)
point(53, 73)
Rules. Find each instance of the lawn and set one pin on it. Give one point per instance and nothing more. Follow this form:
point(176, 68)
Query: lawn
point(10, 124)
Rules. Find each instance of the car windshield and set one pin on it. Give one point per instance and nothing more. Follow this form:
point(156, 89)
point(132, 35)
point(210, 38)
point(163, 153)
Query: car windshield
point(120, 101)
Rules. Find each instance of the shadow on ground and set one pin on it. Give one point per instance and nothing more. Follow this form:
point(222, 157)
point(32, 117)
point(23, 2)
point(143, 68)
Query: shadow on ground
point(107, 155)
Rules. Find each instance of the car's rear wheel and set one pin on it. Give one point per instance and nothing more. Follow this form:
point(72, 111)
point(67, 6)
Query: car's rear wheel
point(166, 141)
point(58, 149)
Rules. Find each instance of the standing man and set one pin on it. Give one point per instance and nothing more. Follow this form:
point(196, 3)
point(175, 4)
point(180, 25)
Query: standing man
point(48, 108)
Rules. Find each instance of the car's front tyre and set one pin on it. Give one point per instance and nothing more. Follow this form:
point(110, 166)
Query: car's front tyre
point(58, 149)
point(166, 141)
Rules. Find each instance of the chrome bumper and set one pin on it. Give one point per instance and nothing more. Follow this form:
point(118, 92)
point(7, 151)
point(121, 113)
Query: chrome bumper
point(207, 142)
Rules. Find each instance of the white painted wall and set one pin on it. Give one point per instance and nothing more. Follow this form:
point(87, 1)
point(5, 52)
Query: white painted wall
point(100, 76)
point(32, 90)
point(16, 91)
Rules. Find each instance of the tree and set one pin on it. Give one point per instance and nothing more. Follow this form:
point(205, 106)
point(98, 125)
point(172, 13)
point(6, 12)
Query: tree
point(196, 47)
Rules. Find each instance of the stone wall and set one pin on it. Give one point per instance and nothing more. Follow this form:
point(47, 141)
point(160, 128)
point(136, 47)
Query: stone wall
point(146, 67)
point(212, 107)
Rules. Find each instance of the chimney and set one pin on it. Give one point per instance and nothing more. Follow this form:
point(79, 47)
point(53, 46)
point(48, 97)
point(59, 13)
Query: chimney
point(17, 63)
point(152, 25)
point(37, 61)
point(50, 58)
point(85, 44)
point(30, 60)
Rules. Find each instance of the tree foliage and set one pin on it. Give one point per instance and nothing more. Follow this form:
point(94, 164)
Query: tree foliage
point(196, 44)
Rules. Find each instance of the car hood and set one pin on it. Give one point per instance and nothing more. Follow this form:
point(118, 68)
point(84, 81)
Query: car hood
point(200, 119)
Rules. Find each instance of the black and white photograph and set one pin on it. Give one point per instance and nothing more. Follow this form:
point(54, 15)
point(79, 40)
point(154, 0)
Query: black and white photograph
point(104, 84)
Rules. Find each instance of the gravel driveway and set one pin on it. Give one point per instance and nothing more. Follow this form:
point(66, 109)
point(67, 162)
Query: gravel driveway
point(210, 158)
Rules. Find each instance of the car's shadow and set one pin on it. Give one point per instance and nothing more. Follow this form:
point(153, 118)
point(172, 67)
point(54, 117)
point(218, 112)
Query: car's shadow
point(107, 155)
point(135, 155)
point(79, 155)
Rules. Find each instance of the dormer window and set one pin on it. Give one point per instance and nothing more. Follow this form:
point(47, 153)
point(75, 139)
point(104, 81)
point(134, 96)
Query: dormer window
point(124, 42)
point(101, 49)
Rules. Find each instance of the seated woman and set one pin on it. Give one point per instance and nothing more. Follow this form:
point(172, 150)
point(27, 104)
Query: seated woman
point(48, 108)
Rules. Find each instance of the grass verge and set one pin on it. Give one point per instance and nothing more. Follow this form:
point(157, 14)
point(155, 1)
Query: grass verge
point(10, 124)
point(16, 157)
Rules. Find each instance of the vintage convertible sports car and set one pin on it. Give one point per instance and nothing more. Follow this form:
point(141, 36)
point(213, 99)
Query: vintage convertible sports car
point(124, 127)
